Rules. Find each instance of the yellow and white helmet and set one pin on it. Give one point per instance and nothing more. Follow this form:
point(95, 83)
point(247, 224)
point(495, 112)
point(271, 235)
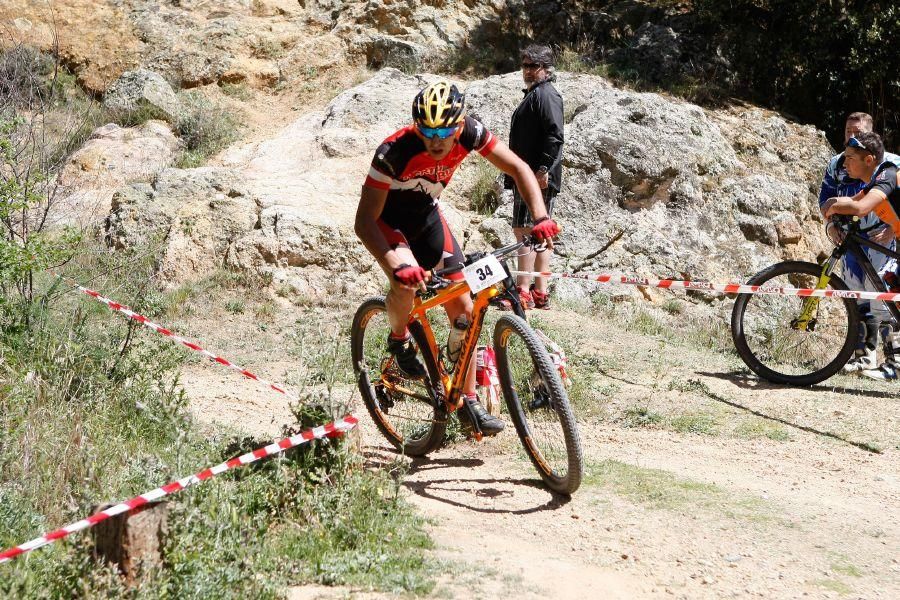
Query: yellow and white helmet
point(439, 105)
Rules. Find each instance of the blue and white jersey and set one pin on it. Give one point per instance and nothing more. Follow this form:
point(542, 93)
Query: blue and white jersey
point(837, 182)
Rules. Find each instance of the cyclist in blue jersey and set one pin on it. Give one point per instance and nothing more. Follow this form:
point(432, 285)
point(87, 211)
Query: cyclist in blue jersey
point(839, 182)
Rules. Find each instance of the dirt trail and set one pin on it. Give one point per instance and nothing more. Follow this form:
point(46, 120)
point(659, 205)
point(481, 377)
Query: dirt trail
point(783, 498)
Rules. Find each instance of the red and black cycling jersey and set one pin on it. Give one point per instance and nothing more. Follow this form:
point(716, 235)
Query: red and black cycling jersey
point(413, 179)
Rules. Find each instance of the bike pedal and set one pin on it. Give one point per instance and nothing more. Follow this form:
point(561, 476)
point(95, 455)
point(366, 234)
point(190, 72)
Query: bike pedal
point(384, 401)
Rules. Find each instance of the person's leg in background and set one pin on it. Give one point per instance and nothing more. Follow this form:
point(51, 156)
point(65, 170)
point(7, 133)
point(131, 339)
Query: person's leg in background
point(887, 269)
point(540, 289)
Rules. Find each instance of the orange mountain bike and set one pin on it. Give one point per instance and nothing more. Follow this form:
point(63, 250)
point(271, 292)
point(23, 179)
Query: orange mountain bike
point(412, 413)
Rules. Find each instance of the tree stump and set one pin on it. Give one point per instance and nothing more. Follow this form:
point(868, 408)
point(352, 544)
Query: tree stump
point(133, 541)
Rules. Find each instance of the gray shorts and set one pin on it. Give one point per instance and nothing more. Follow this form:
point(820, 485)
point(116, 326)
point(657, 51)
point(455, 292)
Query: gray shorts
point(521, 216)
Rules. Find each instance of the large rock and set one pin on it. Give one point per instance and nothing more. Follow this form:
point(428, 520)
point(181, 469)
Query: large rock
point(652, 187)
point(95, 40)
point(115, 155)
point(143, 90)
point(195, 215)
point(307, 180)
point(415, 33)
point(660, 187)
point(112, 157)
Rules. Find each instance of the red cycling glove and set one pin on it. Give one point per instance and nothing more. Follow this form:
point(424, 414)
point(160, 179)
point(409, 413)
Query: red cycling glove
point(409, 275)
point(545, 228)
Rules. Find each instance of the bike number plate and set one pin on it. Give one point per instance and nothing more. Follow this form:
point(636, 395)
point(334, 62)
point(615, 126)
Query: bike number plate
point(484, 273)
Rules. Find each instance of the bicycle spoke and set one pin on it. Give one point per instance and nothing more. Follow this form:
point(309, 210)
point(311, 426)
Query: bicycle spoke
point(543, 434)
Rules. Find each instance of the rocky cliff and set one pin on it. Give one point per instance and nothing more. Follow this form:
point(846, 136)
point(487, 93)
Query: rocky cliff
point(653, 186)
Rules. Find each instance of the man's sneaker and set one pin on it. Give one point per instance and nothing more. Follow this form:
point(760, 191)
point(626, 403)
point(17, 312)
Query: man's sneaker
point(525, 299)
point(541, 299)
point(862, 360)
point(404, 351)
point(488, 423)
point(886, 371)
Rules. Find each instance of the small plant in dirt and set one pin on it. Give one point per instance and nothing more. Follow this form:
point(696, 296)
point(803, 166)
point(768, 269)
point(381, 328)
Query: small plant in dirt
point(755, 427)
point(690, 385)
point(238, 91)
point(699, 423)
point(265, 312)
point(235, 306)
point(205, 127)
point(266, 47)
point(673, 306)
point(641, 416)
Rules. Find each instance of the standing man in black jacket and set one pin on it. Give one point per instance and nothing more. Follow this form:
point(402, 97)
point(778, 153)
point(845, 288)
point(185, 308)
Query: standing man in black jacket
point(536, 135)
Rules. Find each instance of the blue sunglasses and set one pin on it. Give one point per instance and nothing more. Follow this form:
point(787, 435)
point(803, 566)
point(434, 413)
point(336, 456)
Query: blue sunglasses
point(441, 132)
point(855, 143)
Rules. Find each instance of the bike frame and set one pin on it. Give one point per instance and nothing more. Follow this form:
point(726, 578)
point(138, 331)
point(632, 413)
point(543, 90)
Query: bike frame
point(452, 383)
point(853, 244)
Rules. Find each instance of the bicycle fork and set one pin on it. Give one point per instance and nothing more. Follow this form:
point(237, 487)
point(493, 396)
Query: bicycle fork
point(807, 321)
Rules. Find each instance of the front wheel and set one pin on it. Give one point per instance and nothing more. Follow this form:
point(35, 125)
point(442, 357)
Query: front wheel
point(538, 404)
point(768, 339)
point(407, 411)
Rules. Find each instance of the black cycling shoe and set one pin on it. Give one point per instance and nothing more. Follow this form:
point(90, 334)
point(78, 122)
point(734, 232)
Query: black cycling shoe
point(404, 351)
point(488, 423)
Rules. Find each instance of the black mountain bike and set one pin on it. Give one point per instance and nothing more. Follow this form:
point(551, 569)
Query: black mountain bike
point(805, 340)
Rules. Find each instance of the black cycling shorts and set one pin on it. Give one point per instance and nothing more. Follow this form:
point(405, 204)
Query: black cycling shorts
point(431, 242)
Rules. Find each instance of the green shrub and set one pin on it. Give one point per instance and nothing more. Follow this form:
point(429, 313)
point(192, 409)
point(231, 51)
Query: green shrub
point(205, 127)
point(483, 197)
point(641, 416)
point(103, 400)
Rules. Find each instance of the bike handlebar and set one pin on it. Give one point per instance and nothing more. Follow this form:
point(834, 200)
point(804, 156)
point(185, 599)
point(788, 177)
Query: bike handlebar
point(437, 276)
point(848, 222)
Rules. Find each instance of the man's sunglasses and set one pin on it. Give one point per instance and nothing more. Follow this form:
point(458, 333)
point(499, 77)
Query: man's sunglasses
point(855, 143)
point(530, 65)
point(440, 132)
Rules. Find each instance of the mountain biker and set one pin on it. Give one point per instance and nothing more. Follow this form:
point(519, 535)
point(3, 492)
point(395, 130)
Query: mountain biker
point(838, 182)
point(865, 160)
point(399, 221)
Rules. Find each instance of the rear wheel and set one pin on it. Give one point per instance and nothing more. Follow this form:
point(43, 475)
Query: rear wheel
point(538, 404)
point(407, 411)
point(761, 327)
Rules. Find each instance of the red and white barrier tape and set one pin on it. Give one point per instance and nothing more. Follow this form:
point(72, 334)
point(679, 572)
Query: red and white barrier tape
point(557, 355)
point(331, 430)
point(726, 288)
point(176, 338)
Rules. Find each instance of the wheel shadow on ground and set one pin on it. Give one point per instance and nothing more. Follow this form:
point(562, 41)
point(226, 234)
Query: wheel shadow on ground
point(477, 488)
point(752, 382)
point(733, 377)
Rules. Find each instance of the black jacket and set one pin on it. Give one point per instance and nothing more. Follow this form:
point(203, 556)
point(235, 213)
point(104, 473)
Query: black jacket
point(536, 131)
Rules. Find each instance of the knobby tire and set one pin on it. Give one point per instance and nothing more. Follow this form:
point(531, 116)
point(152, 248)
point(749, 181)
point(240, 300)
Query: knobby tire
point(560, 474)
point(430, 433)
point(759, 355)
